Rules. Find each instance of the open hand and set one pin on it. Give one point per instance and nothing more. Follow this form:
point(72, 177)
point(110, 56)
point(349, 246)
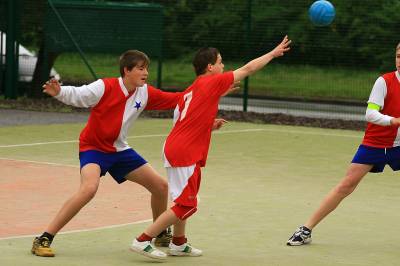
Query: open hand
point(52, 87)
point(218, 122)
point(282, 47)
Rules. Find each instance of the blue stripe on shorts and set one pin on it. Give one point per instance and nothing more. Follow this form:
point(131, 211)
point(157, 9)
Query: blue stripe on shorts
point(118, 164)
point(378, 157)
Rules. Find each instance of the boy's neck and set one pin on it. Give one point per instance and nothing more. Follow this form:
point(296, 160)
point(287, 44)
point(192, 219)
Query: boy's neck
point(128, 86)
point(208, 73)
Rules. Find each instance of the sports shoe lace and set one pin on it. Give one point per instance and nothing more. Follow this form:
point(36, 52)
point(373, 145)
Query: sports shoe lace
point(44, 242)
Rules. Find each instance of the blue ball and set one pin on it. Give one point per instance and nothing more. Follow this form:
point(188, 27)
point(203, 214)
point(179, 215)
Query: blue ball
point(321, 13)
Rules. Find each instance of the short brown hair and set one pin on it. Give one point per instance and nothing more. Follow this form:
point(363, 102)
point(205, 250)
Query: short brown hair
point(203, 57)
point(132, 58)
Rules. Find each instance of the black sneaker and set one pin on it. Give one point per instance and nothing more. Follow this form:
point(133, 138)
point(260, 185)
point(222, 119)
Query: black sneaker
point(163, 239)
point(302, 236)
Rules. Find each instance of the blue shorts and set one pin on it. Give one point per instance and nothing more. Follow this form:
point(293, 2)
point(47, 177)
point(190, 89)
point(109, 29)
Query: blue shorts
point(378, 157)
point(118, 164)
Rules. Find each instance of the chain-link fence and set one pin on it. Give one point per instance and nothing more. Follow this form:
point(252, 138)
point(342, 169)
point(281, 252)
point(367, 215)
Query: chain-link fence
point(334, 64)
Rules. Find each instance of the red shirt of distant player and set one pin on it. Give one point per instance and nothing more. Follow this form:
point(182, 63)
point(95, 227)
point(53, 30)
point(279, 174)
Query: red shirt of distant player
point(386, 136)
point(189, 140)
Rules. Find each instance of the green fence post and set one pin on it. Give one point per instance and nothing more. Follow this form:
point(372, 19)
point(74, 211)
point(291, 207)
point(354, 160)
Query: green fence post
point(11, 75)
point(161, 53)
point(159, 73)
point(248, 37)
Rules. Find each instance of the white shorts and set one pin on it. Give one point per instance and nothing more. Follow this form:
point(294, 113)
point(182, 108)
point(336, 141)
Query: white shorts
point(184, 184)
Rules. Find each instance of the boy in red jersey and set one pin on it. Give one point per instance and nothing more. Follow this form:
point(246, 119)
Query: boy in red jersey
point(380, 146)
point(116, 103)
point(186, 146)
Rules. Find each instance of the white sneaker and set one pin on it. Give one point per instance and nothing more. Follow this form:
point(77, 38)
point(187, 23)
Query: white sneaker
point(302, 236)
point(147, 249)
point(183, 250)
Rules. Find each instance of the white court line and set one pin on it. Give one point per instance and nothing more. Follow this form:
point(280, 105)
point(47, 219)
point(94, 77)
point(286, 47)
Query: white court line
point(82, 230)
point(218, 132)
point(71, 141)
point(38, 162)
point(72, 231)
point(159, 135)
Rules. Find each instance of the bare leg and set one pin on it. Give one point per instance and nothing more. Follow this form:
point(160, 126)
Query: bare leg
point(155, 184)
point(164, 220)
point(354, 174)
point(179, 228)
point(90, 178)
point(144, 246)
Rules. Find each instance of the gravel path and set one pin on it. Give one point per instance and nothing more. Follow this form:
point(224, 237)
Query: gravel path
point(10, 117)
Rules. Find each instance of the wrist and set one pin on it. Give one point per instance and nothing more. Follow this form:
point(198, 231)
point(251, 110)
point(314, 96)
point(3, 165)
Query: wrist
point(272, 55)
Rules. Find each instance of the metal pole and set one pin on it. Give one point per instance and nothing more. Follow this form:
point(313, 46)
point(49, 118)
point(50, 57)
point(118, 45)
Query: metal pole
point(161, 54)
point(159, 73)
point(247, 46)
point(72, 39)
point(11, 75)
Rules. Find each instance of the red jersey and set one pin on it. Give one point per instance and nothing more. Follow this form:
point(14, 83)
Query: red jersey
point(386, 136)
point(189, 140)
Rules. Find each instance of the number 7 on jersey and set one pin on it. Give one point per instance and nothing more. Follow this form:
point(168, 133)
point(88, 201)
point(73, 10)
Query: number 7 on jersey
point(187, 98)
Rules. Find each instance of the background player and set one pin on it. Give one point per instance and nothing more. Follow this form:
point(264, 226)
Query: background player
point(380, 146)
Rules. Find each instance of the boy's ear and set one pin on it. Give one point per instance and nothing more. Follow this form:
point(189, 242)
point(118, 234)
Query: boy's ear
point(209, 66)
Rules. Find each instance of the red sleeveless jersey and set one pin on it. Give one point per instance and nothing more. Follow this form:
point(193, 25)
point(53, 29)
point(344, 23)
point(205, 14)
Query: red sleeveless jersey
point(386, 136)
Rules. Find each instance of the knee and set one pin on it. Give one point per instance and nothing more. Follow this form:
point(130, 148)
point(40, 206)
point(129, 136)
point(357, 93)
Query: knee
point(161, 189)
point(345, 188)
point(88, 192)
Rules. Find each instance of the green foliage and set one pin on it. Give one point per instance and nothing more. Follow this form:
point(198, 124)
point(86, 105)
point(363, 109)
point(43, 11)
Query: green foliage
point(363, 33)
point(362, 37)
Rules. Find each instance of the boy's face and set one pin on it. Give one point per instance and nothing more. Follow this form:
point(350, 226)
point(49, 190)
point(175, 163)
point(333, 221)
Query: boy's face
point(138, 75)
point(218, 67)
point(398, 60)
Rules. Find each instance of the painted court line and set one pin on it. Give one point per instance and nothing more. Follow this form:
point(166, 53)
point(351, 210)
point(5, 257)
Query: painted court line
point(150, 136)
point(83, 230)
point(72, 231)
point(39, 162)
point(218, 132)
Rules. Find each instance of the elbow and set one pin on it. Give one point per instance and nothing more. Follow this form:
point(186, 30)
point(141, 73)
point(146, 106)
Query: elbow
point(375, 117)
point(250, 70)
point(368, 116)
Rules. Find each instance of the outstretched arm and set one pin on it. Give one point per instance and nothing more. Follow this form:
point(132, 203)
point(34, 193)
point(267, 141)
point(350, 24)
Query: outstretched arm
point(84, 96)
point(258, 63)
